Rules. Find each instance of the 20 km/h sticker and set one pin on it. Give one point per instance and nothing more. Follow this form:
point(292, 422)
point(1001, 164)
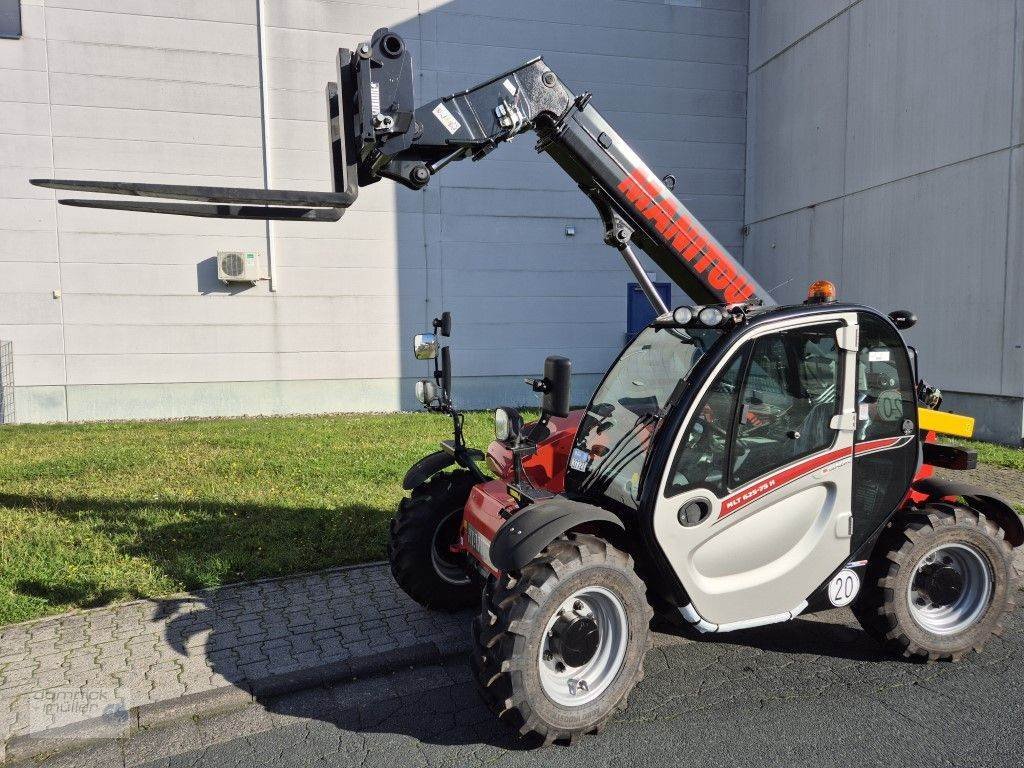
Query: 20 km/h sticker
point(843, 588)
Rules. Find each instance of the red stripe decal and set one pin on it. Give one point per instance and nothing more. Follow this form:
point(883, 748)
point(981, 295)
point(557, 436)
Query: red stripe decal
point(742, 498)
point(883, 444)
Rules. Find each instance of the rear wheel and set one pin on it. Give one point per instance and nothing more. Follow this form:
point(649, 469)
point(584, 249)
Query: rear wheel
point(558, 647)
point(419, 545)
point(939, 584)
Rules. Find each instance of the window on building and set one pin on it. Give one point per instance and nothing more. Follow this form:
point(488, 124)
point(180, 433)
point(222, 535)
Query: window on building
point(10, 18)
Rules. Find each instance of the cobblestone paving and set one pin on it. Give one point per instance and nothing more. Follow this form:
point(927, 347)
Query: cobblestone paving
point(232, 638)
point(160, 650)
point(812, 692)
point(1008, 483)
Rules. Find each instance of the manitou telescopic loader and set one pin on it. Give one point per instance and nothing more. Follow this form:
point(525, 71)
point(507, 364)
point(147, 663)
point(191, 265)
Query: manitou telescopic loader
point(740, 463)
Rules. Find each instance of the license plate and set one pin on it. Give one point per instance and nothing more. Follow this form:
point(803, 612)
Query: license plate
point(579, 460)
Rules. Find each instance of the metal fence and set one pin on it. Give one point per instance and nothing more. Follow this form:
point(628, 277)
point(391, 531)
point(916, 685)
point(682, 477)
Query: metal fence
point(6, 382)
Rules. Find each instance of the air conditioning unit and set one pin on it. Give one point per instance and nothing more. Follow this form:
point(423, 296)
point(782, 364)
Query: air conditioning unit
point(238, 267)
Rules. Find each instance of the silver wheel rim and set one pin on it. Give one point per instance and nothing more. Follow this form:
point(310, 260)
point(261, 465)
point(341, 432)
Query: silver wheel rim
point(576, 686)
point(951, 615)
point(444, 564)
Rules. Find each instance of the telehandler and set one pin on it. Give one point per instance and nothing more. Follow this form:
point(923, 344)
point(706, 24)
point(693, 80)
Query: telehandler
point(740, 464)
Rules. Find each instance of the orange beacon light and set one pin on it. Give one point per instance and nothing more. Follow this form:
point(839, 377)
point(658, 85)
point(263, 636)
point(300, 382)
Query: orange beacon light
point(821, 292)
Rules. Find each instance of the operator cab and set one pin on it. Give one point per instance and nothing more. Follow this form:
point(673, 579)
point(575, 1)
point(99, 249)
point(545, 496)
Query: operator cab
point(760, 449)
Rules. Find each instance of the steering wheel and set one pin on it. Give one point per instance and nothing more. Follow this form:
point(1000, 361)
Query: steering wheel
point(705, 429)
point(712, 426)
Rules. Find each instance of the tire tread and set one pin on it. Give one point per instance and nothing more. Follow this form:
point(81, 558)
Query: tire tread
point(876, 607)
point(406, 534)
point(495, 665)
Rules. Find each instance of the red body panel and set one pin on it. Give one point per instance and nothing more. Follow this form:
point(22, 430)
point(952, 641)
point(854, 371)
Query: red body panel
point(545, 468)
point(483, 512)
point(926, 471)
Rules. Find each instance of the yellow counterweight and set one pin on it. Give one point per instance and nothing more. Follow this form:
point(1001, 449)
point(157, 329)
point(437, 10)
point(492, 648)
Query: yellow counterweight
point(945, 423)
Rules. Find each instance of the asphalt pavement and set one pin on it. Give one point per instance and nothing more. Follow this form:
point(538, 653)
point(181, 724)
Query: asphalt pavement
point(814, 692)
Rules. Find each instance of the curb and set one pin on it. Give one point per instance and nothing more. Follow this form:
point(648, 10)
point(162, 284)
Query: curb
point(227, 698)
point(194, 592)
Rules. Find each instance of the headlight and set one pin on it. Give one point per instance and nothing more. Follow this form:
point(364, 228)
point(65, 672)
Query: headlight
point(501, 424)
point(426, 392)
point(508, 424)
point(682, 315)
point(711, 316)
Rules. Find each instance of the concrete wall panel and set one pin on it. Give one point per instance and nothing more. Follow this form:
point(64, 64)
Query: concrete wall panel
point(1013, 321)
point(19, 85)
point(1017, 130)
point(27, 245)
point(159, 95)
point(627, 67)
point(238, 11)
point(777, 24)
point(796, 134)
point(35, 339)
point(24, 117)
point(128, 29)
point(948, 225)
point(29, 55)
point(658, 17)
point(930, 85)
point(152, 63)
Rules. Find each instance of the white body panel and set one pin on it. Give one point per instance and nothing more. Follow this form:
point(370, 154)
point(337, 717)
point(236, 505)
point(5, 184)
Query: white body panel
point(765, 546)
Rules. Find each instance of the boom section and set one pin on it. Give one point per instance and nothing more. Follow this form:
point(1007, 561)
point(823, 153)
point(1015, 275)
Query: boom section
point(376, 132)
point(634, 203)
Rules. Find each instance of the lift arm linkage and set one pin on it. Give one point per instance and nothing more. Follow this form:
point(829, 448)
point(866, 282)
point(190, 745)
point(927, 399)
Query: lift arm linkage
point(377, 132)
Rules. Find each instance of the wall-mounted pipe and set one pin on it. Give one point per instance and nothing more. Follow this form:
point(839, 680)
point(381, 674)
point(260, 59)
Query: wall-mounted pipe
point(261, 29)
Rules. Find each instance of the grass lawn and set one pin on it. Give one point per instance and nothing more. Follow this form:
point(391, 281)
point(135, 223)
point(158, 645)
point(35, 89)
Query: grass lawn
point(92, 514)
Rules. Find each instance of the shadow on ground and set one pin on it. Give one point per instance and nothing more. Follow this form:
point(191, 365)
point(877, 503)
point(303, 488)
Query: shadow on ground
point(84, 593)
point(438, 704)
point(812, 637)
point(201, 543)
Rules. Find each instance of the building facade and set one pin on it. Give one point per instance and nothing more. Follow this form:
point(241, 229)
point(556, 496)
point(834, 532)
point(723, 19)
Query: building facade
point(117, 316)
point(884, 152)
point(880, 148)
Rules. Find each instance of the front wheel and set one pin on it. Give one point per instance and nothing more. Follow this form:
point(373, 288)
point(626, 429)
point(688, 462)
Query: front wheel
point(420, 540)
point(939, 584)
point(558, 647)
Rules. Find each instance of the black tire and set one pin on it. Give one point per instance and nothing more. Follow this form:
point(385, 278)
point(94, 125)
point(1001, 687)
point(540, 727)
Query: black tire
point(426, 523)
point(884, 606)
point(508, 634)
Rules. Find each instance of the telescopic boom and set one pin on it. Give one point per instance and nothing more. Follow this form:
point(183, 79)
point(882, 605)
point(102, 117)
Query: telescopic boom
point(376, 132)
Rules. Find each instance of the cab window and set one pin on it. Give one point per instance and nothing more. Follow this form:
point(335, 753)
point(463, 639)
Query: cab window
point(885, 383)
point(614, 437)
point(703, 453)
point(789, 395)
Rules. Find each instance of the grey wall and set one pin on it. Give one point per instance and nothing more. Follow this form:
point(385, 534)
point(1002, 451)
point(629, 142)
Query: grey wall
point(884, 153)
point(170, 90)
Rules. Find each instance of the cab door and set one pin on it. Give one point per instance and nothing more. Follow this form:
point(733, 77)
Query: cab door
point(754, 512)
